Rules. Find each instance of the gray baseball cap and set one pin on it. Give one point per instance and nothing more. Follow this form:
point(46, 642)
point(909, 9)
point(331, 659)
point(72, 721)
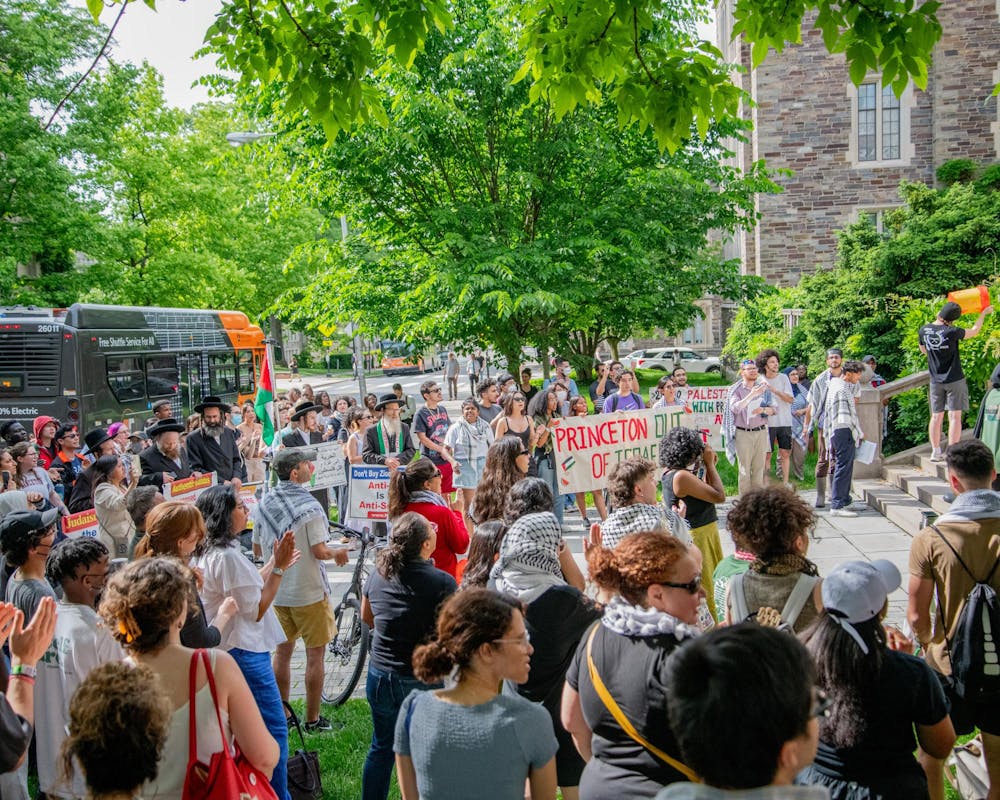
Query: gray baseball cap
point(288, 459)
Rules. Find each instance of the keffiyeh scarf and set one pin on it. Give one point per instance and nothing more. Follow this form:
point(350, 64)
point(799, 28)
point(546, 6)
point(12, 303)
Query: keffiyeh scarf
point(626, 619)
point(529, 557)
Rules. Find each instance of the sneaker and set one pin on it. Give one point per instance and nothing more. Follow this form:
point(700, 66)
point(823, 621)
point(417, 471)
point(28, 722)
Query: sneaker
point(842, 512)
point(318, 725)
point(937, 456)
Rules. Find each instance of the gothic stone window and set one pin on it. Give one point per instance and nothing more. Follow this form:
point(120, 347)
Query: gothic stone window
point(880, 125)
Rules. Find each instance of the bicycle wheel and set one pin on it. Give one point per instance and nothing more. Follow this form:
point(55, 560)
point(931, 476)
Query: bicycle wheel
point(345, 655)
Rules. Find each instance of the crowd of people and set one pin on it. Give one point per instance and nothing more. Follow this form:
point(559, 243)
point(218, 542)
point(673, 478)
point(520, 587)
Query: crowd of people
point(499, 666)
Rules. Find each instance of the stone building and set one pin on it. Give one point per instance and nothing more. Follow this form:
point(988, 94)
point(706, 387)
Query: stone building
point(848, 146)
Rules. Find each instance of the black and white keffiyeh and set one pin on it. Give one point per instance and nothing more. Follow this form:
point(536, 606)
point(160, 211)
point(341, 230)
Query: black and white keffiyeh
point(285, 507)
point(626, 619)
point(640, 518)
point(529, 557)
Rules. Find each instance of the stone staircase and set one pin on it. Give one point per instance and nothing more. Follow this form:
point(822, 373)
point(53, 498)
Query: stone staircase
point(910, 492)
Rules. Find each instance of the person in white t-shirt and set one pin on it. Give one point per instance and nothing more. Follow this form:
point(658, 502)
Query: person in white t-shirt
point(81, 643)
point(779, 424)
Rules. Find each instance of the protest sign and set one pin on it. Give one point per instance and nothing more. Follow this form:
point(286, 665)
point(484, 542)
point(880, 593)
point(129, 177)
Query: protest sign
point(186, 490)
point(586, 448)
point(83, 523)
point(706, 406)
point(369, 492)
point(329, 465)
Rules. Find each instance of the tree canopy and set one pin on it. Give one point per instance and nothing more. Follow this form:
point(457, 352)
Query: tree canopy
point(643, 56)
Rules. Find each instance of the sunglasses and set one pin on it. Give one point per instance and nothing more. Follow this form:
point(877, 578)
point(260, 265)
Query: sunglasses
point(693, 586)
point(437, 473)
point(821, 705)
point(519, 398)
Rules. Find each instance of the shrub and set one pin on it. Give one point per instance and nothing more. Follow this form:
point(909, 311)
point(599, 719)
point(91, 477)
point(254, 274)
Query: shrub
point(958, 170)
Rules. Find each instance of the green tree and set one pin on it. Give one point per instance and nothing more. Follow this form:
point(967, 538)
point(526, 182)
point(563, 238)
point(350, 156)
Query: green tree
point(484, 220)
point(643, 56)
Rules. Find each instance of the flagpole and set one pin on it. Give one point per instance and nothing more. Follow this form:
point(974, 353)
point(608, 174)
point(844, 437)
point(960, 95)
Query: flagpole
point(269, 361)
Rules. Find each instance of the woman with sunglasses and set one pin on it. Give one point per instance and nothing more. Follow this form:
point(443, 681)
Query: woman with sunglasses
point(515, 420)
point(619, 672)
point(469, 740)
point(506, 463)
point(417, 487)
point(468, 441)
point(578, 408)
point(878, 692)
point(254, 631)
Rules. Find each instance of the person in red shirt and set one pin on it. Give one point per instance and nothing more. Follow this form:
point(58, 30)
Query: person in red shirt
point(45, 430)
point(417, 487)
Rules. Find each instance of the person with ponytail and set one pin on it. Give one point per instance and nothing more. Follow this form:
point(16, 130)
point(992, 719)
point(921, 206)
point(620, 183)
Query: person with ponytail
point(451, 744)
point(417, 487)
point(619, 672)
point(877, 692)
point(400, 602)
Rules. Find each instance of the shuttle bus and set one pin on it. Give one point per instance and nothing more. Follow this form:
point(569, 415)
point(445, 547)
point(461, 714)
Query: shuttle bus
point(92, 364)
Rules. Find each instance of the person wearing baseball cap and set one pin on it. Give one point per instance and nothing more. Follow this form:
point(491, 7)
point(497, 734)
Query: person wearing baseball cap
point(876, 691)
point(26, 537)
point(948, 390)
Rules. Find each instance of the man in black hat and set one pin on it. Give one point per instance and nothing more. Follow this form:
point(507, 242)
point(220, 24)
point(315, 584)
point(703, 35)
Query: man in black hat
point(165, 461)
point(212, 447)
point(305, 432)
point(388, 442)
point(948, 390)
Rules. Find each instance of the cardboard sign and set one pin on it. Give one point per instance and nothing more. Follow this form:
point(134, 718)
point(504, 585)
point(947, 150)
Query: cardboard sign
point(369, 492)
point(586, 448)
point(329, 465)
point(186, 490)
point(83, 523)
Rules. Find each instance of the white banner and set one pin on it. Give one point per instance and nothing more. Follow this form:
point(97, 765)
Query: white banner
point(329, 465)
point(369, 492)
point(586, 448)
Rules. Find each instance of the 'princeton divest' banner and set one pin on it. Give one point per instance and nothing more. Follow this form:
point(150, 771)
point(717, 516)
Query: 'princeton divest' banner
point(586, 448)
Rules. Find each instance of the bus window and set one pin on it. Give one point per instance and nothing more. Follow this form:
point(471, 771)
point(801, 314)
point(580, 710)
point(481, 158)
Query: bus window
point(125, 377)
point(222, 373)
point(247, 383)
point(162, 377)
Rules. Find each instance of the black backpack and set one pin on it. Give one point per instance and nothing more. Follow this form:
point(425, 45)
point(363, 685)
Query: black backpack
point(974, 649)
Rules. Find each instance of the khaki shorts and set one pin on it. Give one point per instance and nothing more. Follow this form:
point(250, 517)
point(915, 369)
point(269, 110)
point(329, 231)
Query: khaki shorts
point(314, 623)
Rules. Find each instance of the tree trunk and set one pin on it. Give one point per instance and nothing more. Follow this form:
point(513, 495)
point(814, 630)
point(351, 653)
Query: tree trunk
point(583, 345)
point(613, 344)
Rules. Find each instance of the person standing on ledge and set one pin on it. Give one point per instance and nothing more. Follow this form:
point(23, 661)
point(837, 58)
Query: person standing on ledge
point(948, 390)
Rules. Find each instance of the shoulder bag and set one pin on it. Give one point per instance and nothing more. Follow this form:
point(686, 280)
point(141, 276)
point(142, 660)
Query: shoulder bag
point(227, 775)
point(304, 782)
point(624, 722)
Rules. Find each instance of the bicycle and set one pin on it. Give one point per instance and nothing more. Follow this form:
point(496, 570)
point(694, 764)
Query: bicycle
point(345, 655)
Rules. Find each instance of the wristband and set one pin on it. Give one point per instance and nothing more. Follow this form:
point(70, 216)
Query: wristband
point(23, 670)
point(26, 678)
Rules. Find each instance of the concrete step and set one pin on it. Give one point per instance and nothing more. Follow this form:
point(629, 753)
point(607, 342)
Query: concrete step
point(896, 505)
point(936, 468)
point(928, 489)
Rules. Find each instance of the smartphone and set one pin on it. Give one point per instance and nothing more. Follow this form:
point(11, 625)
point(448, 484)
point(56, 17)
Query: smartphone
point(6, 479)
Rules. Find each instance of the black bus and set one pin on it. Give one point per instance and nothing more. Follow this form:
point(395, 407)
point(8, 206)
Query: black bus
point(92, 365)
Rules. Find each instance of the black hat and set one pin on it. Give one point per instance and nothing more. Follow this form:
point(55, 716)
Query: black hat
point(303, 407)
point(289, 458)
point(212, 402)
point(160, 404)
point(96, 438)
point(385, 399)
point(168, 425)
point(950, 312)
point(20, 524)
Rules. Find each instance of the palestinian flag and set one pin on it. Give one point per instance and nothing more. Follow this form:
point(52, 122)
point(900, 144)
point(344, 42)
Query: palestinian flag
point(263, 404)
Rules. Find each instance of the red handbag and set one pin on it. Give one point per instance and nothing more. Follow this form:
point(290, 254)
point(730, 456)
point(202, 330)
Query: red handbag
point(228, 776)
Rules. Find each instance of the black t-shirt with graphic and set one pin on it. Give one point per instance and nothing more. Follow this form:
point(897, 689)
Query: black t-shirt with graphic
point(941, 344)
point(434, 425)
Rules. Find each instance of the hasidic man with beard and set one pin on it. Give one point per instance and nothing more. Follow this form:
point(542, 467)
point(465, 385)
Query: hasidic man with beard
point(165, 461)
point(212, 447)
point(389, 441)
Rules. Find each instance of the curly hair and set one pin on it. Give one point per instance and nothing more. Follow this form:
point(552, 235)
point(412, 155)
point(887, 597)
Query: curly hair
point(528, 496)
point(119, 718)
point(767, 522)
point(484, 547)
point(353, 416)
point(764, 356)
point(500, 473)
point(217, 505)
point(625, 476)
point(144, 599)
point(638, 561)
point(680, 447)
point(466, 622)
point(66, 558)
point(409, 532)
point(139, 502)
point(407, 480)
point(539, 405)
point(166, 525)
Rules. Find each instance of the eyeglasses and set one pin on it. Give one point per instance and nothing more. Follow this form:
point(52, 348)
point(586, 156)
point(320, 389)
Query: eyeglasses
point(437, 473)
point(367, 416)
point(434, 389)
point(821, 705)
point(524, 640)
point(693, 586)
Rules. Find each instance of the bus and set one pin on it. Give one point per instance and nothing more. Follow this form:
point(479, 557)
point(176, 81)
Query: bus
point(399, 358)
point(91, 365)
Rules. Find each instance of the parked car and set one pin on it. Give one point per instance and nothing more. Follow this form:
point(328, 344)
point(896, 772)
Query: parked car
point(666, 358)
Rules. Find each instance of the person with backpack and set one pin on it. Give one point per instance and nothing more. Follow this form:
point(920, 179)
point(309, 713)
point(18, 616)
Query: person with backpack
point(625, 399)
point(957, 561)
point(781, 587)
point(879, 694)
